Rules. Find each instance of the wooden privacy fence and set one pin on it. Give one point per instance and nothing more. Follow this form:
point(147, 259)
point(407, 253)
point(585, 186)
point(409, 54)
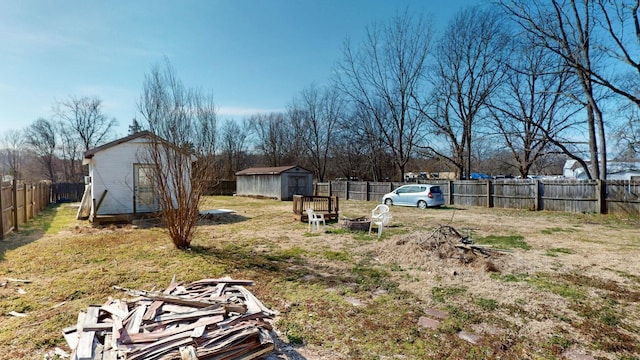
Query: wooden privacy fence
point(66, 192)
point(20, 202)
point(581, 196)
point(219, 187)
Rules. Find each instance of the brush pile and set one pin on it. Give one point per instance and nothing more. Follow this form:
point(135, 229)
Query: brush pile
point(206, 319)
point(446, 242)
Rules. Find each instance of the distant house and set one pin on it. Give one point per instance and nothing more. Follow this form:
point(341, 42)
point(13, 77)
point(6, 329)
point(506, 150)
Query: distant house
point(120, 183)
point(616, 170)
point(280, 182)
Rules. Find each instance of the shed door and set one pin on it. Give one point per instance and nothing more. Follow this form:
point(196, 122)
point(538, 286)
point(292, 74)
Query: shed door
point(297, 185)
point(144, 191)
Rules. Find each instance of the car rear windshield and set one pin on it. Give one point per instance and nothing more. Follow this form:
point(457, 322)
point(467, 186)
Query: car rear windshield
point(435, 189)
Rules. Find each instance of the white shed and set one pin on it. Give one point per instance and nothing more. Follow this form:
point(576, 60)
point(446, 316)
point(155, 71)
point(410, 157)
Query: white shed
point(119, 182)
point(281, 182)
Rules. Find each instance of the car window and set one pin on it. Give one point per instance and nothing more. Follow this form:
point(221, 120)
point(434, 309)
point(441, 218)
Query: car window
point(402, 189)
point(423, 188)
point(436, 189)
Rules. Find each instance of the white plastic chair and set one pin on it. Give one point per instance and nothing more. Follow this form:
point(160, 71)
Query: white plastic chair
point(315, 219)
point(380, 216)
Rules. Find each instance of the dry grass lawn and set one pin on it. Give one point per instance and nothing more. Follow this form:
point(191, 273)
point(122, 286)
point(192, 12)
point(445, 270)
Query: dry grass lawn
point(569, 285)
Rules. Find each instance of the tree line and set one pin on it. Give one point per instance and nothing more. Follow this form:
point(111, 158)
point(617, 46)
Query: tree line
point(512, 87)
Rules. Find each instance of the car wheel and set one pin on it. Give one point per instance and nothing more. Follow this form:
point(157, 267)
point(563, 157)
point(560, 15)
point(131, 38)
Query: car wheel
point(388, 202)
point(422, 204)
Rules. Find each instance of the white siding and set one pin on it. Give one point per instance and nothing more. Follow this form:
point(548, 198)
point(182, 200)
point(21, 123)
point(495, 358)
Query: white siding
point(259, 185)
point(112, 169)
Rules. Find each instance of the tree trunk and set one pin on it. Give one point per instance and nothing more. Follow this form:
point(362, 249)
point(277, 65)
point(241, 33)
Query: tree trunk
point(602, 145)
point(594, 172)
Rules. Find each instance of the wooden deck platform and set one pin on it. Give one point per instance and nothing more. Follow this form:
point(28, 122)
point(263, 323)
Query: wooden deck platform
point(326, 205)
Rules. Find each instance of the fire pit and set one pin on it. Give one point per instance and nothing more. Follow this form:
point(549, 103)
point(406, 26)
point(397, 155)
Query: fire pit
point(357, 224)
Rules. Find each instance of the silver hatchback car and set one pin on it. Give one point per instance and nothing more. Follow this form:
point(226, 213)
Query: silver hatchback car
point(420, 195)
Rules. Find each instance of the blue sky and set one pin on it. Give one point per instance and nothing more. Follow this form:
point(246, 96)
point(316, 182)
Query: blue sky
point(251, 55)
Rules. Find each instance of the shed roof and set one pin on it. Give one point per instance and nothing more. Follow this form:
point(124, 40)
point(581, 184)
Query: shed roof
point(91, 152)
point(269, 170)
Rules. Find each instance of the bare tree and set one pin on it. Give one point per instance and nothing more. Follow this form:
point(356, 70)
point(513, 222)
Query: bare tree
point(234, 137)
point(468, 70)
point(84, 117)
point(205, 120)
point(532, 107)
point(41, 136)
point(71, 153)
point(13, 142)
point(628, 136)
point(274, 139)
point(314, 116)
point(566, 28)
point(617, 23)
point(181, 122)
point(351, 158)
point(382, 77)
point(360, 149)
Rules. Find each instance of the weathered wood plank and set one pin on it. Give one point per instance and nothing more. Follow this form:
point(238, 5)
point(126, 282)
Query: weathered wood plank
point(188, 353)
point(86, 345)
point(167, 318)
point(135, 320)
point(152, 310)
point(71, 336)
point(168, 298)
point(158, 335)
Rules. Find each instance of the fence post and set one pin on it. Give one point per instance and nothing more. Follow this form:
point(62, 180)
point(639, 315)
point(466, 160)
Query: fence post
point(602, 196)
point(15, 205)
point(36, 199)
point(1, 214)
point(26, 207)
point(489, 194)
point(346, 196)
point(367, 192)
point(450, 186)
point(536, 192)
point(32, 200)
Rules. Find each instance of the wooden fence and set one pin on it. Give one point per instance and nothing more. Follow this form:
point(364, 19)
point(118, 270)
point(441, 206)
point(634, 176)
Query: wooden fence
point(581, 196)
point(67, 192)
point(20, 202)
point(220, 187)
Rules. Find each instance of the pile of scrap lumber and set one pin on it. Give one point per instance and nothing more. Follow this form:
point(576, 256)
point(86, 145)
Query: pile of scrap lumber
point(206, 319)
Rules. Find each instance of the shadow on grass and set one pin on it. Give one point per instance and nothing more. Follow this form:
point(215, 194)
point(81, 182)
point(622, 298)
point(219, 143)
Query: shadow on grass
point(448, 208)
point(291, 264)
point(221, 219)
point(33, 230)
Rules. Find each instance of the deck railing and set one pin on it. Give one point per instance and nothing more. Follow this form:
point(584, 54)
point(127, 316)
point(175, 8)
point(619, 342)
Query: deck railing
point(326, 205)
